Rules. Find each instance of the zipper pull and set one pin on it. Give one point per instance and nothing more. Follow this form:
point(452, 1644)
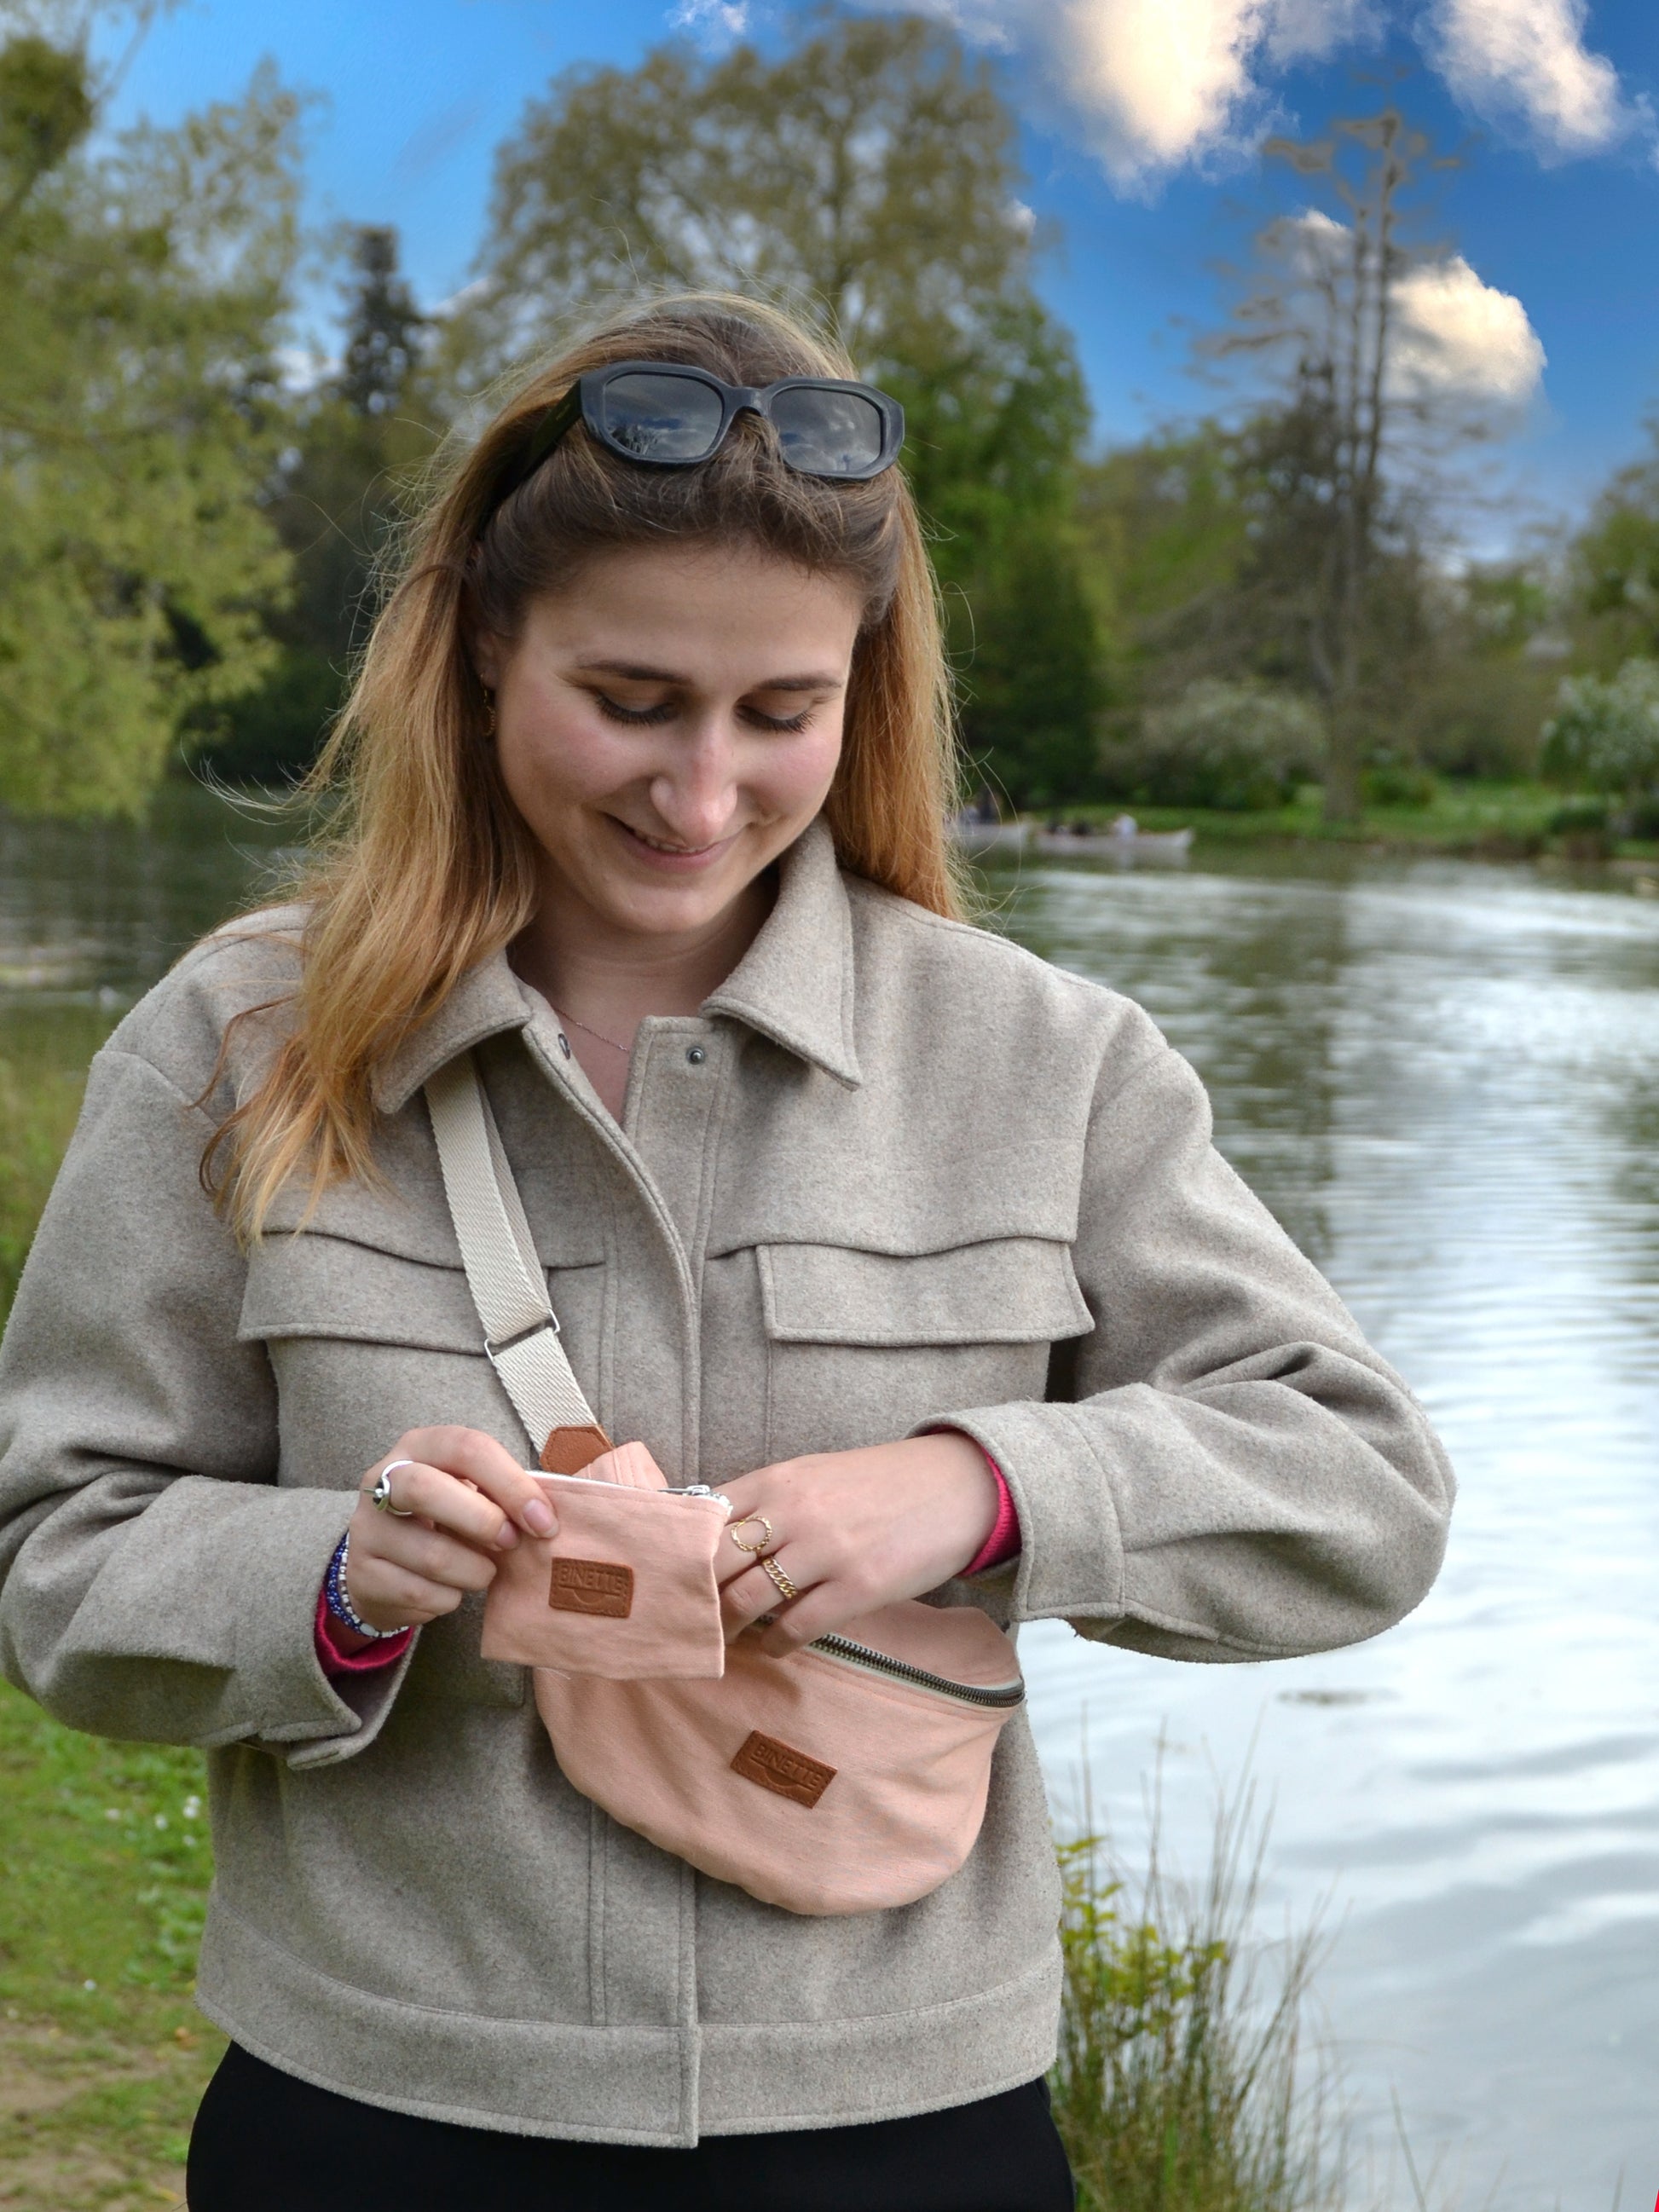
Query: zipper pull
point(702, 1490)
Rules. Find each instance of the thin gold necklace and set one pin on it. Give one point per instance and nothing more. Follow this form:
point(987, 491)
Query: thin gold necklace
point(588, 1029)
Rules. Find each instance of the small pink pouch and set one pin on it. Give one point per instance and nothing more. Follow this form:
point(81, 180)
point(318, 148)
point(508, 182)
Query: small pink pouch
point(625, 1588)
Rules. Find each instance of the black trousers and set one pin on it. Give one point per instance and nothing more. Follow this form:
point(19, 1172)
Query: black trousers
point(266, 2142)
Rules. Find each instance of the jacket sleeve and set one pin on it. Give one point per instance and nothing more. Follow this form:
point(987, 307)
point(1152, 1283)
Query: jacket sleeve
point(155, 1582)
point(1237, 1476)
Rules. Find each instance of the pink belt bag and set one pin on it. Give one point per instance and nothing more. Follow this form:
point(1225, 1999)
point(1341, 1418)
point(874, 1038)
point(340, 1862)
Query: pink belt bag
point(847, 1777)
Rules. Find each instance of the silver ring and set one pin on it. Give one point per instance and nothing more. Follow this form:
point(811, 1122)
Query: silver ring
point(378, 1493)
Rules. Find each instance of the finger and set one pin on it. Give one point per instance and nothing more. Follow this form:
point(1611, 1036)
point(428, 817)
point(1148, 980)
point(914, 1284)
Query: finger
point(755, 1593)
point(736, 1555)
point(471, 1456)
point(438, 1500)
point(387, 1597)
point(410, 1547)
point(825, 1610)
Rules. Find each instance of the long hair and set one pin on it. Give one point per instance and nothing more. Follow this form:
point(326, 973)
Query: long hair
point(430, 868)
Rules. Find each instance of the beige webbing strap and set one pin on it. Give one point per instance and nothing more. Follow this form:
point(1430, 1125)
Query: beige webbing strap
point(504, 1273)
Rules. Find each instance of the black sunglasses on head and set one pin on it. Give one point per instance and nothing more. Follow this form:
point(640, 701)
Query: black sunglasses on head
point(671, 416)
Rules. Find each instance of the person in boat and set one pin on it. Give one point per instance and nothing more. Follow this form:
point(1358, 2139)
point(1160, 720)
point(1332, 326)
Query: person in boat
point(646, 778)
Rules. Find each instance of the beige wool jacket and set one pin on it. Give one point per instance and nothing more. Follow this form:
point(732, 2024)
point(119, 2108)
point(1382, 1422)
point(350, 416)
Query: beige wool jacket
point(896, 1169)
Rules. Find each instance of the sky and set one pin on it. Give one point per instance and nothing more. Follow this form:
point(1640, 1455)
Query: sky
point(1139, 122)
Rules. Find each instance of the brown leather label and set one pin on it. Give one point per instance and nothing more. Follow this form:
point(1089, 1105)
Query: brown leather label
point(568, 1451)
point(781, 1768)
point(594, 1586)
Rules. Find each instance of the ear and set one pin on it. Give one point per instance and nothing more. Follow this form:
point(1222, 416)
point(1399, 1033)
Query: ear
point(489, 657)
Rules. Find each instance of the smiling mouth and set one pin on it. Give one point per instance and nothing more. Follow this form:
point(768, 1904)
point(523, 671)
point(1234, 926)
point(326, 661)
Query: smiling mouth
point(663, 845)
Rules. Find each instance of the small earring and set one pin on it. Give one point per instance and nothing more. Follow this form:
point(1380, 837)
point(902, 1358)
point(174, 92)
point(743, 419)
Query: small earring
point(490, 708)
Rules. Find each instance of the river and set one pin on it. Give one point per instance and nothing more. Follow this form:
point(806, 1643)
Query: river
point(1443, 1077)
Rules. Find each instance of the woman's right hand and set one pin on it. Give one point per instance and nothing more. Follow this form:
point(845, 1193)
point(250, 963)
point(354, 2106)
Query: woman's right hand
point(468, 1497)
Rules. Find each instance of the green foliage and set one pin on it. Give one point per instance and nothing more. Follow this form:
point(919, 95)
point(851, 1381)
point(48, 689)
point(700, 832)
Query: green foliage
point(1604, 736)
point(42, 1079)
point(1179, 2085)
point(1398, 783)
point(1232, 746)
point(868, 176)
point(1615, 564)
point(358, 440)
point(145, 286)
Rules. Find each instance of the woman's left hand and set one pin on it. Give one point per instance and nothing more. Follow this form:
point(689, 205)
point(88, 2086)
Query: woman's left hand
point(853, 1530)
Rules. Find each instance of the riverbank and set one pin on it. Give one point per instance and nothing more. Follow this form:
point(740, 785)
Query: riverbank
point(1474, 820)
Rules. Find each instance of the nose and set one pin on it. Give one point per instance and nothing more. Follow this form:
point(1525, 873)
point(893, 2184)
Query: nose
point(696, 790)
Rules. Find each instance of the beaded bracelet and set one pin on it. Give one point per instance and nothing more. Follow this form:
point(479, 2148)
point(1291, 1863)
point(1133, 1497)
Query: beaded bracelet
point(334, 1596)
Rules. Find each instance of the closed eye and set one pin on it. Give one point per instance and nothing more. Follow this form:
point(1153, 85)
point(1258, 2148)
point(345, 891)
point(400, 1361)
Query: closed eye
point(636, 717)
point(781, 723)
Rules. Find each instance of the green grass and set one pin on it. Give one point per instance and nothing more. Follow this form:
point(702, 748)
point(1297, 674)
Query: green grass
point(104, 1865)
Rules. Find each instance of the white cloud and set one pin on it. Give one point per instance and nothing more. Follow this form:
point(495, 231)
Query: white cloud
point(1455, 337)
point(1149, 85)
point(1527, 59)
point(1461, 338)
point(729, 18)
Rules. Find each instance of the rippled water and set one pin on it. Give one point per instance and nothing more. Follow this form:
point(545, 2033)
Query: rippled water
point(1444, 1079)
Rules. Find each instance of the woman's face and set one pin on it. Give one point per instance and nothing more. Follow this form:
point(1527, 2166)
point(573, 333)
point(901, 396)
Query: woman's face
point(671, 725)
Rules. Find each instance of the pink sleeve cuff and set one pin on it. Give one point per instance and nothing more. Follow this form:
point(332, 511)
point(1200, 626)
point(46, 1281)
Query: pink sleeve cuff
point(1004, 1541)
point(334, 1661)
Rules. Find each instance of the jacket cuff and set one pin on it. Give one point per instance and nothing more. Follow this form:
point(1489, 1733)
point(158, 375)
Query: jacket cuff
point(1069, 1563)
point(299, 1712)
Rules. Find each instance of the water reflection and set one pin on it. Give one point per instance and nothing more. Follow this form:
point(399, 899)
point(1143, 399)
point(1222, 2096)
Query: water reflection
point(1442, 1080)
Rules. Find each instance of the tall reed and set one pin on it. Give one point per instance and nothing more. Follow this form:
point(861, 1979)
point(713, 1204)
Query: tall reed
point(1183, 2082)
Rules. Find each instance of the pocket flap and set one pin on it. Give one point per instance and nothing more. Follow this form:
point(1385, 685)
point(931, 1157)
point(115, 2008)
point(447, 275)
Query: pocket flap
point(314, 1285)
point(1009, 1290)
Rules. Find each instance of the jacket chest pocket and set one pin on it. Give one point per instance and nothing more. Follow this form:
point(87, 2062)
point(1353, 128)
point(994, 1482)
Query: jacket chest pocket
point(364, 1345)
point(862, 1346)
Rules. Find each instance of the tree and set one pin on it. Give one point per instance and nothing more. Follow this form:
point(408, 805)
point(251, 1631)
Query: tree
point(869, 177)
point(1615, 563)
point(146, 288)
point(1325, 318)
point(356, 439)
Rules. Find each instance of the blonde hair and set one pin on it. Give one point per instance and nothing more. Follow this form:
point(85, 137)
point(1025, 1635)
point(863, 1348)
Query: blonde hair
point(430, 868)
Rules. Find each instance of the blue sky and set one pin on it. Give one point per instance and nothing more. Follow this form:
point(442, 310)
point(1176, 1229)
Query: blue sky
point(1137, 120)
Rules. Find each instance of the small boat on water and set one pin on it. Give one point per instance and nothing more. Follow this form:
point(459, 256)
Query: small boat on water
point(979, 837)
point(1122, 839)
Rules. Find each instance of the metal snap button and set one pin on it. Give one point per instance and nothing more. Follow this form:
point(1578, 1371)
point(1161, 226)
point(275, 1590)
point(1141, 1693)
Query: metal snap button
point(696, 1055)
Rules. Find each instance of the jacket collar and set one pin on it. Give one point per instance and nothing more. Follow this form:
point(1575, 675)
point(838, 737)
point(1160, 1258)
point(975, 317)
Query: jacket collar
point(794, 984)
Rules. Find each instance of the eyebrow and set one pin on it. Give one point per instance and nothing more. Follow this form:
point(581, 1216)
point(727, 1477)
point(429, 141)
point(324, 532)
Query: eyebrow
point(633, 671)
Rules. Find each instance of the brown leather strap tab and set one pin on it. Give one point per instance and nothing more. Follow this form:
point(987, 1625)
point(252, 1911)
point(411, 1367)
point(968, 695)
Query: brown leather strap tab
point(568, 1451)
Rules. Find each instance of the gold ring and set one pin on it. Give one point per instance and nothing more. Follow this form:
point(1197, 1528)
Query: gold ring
point(760, 1521)
point(784, 1587)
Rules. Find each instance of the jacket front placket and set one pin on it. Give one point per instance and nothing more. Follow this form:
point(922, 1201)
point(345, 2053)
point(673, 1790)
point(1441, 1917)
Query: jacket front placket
point(642, 1902)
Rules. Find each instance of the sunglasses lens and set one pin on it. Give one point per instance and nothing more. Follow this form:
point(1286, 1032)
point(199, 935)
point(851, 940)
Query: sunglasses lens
point(663, 418)
point(827, 433)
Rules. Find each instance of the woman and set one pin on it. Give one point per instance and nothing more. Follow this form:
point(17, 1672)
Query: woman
point(915, 1246)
